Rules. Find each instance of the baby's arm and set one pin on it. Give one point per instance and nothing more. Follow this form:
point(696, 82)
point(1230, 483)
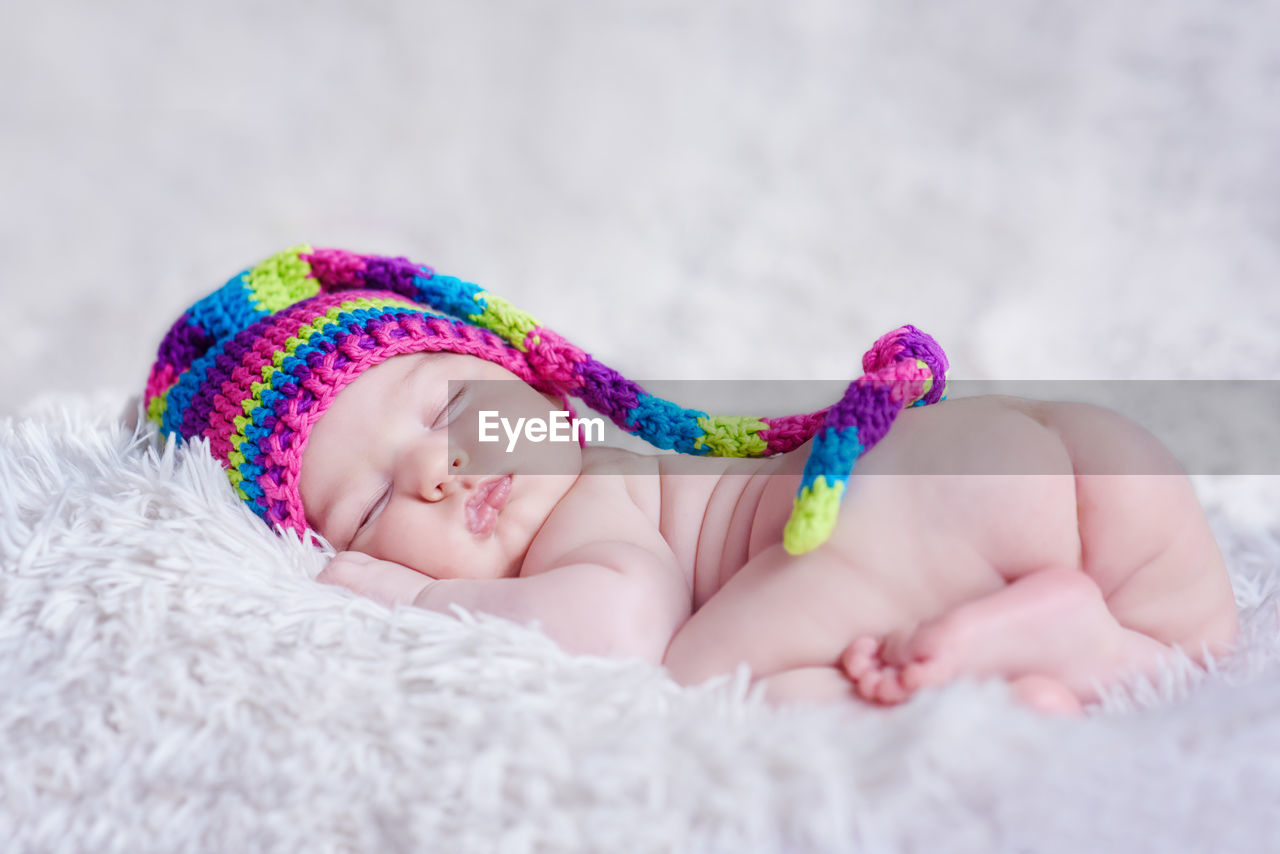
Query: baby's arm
point(605, 600)
point(615, 590)
point(777, 614)
point(394, 584)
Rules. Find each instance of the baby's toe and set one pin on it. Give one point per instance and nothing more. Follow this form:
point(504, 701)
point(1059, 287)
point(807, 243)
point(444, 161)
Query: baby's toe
point(860, 657)
point(890, 689)
point(866, 685)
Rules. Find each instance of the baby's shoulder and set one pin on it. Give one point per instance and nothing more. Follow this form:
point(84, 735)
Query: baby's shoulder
point(614, 473)
point(607, 460)
point(616, 498)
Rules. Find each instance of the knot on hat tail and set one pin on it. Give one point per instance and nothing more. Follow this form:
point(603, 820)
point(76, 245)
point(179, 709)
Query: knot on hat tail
point(909, 361)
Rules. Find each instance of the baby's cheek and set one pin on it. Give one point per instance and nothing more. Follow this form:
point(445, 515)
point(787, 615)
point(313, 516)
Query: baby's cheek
point(419, 542)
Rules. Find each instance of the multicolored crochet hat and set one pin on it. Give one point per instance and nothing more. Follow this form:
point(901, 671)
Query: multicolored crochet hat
point(253, 366)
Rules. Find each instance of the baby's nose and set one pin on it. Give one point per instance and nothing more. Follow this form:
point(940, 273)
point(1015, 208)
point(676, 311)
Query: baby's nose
point(438, 471)
point(458, 462)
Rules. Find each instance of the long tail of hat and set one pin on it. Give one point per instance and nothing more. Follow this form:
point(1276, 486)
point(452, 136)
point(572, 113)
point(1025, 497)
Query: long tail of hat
point(904, 368)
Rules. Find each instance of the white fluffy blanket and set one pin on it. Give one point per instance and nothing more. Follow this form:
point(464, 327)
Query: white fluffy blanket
point(172, 679)
point(751, 189)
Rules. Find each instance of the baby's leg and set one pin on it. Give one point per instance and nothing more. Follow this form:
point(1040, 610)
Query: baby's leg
point(779, 614)
point(1149, 577)
point(1143, 535)
point(808, 685)
point(1052, 624)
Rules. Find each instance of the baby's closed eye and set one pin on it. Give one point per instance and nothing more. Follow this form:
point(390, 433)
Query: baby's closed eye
point(374, 508)
point(446, 414)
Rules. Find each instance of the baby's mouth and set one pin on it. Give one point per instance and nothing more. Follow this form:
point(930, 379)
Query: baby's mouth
point(484, 506)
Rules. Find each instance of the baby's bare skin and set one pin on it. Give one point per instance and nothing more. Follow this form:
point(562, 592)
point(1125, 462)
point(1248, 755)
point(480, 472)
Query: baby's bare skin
point(1056, 580)
point(980, 538)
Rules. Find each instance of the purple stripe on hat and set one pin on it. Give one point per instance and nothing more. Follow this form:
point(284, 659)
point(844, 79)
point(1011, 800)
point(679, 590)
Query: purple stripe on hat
point(185, 342)
point(393, 274)
point(609, 392)
point(870, 408)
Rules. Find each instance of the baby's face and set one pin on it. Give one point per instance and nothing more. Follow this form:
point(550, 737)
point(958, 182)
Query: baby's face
point(394, 468)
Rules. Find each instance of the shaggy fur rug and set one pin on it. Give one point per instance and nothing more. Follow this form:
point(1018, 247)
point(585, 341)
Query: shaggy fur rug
point(743, 189)
point(171, 679)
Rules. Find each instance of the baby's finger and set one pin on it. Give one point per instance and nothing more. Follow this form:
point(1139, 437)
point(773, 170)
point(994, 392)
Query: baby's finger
point(344, 567)
point(381, 580)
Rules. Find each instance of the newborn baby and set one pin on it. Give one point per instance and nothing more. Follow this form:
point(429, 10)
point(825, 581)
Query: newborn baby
point(1054, 545)
point(1054, 578)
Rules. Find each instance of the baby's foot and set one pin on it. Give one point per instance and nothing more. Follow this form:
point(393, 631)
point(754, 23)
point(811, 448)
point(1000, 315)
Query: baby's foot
point(1052, 624)
point(867, 664)
point(891, 669)
point(1001, 635)
point(876, 670)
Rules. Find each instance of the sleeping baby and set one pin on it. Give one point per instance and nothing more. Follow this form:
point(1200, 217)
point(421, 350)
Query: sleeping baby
point(1057, 546)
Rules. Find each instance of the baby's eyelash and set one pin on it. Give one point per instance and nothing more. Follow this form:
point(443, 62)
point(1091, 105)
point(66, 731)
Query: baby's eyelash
point(447, 413)
point(373, 508)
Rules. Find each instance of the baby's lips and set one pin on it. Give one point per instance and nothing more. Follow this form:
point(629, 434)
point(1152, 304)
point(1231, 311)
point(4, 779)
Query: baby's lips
point(483, 507)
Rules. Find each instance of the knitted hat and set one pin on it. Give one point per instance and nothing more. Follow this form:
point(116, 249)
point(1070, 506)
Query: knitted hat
point(253, 366)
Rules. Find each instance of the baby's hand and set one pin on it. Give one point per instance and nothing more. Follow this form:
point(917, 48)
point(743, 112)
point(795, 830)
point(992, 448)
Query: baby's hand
point(380, 580)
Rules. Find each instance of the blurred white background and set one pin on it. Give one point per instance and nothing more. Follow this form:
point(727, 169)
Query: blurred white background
point(687, 190)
